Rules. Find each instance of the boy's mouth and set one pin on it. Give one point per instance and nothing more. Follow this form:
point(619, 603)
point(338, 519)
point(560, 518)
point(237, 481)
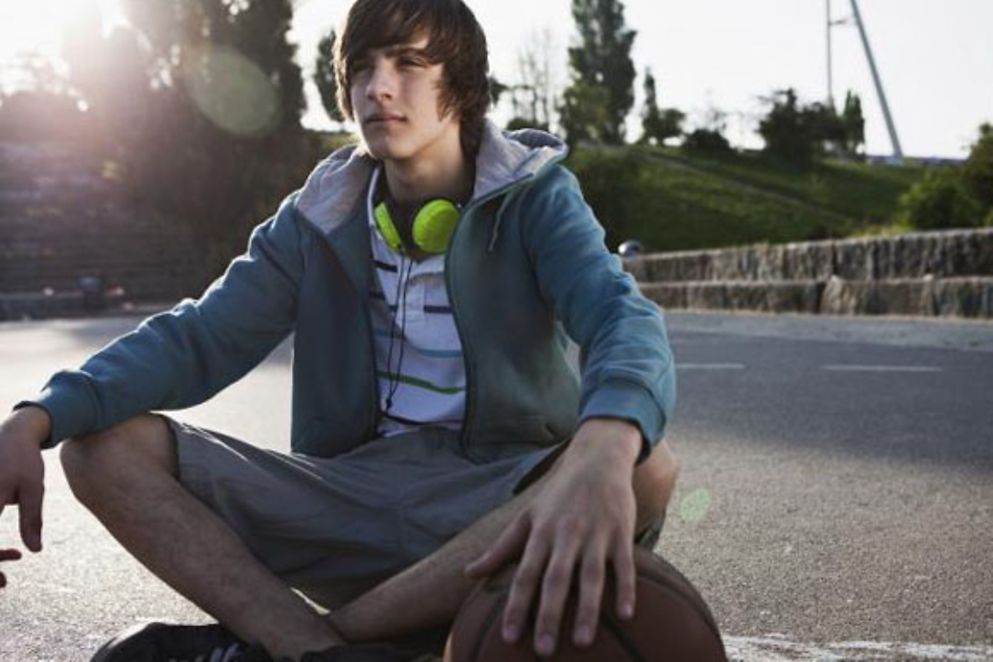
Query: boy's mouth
point(383, 118)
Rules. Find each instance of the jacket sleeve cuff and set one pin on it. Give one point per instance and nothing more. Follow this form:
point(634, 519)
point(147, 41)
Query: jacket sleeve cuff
point(68, 408)
point(628, 402)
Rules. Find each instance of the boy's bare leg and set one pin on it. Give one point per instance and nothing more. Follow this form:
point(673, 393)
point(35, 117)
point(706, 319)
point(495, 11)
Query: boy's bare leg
point(127, 477)
point(397, 607)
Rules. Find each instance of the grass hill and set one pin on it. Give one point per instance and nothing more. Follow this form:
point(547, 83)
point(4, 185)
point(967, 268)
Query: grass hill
point(671, 201)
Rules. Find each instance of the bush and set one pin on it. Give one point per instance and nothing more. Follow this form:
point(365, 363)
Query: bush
point(939, 200)
point(610, 184)
point(977, 173)
point(706, 141)
point(518, 123)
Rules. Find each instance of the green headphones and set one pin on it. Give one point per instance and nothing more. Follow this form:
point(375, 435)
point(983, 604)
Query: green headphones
point(433, 226)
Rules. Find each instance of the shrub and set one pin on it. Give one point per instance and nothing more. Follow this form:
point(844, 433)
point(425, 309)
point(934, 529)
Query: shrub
point(977, 173)
point(939, 200)
point(610, 184)
point(706, 141)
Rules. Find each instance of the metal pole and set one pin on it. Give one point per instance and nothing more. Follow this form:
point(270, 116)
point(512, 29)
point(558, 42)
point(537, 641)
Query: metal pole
point(830, 82)
point(897, 151)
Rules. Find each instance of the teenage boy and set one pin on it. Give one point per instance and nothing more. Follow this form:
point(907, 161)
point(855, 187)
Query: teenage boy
point(431, 276)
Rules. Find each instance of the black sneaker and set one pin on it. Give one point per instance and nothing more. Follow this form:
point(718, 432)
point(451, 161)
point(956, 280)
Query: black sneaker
point(167, 642)
point(369, 652)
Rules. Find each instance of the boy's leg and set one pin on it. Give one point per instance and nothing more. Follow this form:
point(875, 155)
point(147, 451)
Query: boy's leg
point(397, 607)
point(127, 476)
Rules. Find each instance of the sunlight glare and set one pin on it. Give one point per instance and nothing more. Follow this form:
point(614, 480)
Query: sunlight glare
point(37, 26)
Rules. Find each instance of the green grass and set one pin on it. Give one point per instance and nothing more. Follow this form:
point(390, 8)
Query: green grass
point(867, 193)
point(734, 200)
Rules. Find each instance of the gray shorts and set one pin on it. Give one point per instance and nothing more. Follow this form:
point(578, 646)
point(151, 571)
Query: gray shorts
point(336, 527)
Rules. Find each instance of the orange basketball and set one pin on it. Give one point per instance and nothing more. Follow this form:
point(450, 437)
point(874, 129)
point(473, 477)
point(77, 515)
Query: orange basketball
point(671, 623)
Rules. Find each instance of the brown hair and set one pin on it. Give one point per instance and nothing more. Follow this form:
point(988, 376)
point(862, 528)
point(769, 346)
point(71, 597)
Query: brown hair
point(455, 39)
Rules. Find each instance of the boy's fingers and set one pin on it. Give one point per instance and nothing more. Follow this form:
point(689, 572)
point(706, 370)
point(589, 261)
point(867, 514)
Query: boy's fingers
point(9, 555)
point(625, 575)
point(507, 544)
point(523, 588)
point(554, 591)
point(30, 499)
point(592, 579)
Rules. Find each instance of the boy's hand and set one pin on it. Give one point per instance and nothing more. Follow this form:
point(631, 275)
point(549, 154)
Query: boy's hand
point(22, 474)
point(584, 516)
point(7, 555)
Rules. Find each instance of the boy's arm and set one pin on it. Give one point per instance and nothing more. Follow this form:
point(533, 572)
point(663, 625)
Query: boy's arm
point(184, 356)
point(626, 363)
point(584, 517)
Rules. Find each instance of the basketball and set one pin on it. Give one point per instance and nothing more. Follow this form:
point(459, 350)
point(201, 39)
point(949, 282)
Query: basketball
point(671, 622)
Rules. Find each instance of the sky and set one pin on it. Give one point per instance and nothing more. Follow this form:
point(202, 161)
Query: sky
point(935, 57)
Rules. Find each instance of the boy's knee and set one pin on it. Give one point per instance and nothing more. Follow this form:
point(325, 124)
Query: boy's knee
point(654, 481)
point(140, 444)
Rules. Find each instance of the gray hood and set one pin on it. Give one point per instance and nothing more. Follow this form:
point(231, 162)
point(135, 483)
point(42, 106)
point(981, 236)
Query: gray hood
point(505, 159)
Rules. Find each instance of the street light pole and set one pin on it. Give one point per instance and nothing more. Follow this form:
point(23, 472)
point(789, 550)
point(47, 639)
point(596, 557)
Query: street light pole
point(897, 150)
point(830, 82)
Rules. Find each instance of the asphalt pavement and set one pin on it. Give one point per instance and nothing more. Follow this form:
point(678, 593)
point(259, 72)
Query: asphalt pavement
point(834, 503)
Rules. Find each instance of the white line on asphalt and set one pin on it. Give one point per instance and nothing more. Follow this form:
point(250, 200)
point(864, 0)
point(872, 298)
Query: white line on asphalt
point(710, 366)
point(777, 648)
point(882, 368)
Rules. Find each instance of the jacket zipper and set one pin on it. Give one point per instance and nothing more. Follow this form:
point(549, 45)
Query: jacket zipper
point(373, 415)
point(470, 386)
point(463, 339)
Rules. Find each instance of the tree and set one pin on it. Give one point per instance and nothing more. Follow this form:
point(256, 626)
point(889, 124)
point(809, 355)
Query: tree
point(327, 84)
point(601, 70)
point(657, 125)
point(977, 173)
point(939, 201)
point(199, 104)
point(706, 141)
point(954, 197)
point(785, 130)
point(585, 113)
point(799, 134)
point(708, 138)
point(497, 89)
point(853, 124)
point(533, 97)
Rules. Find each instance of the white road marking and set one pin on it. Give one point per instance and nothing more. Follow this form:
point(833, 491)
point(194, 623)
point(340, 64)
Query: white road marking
point(777, 648)
point(882, 368)
point(710, 366)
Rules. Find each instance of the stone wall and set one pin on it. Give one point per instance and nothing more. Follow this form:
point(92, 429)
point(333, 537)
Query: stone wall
point(933, 273)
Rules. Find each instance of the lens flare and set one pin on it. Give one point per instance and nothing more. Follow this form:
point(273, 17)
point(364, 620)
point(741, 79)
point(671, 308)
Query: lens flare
point(232, 91)
point(694, 506)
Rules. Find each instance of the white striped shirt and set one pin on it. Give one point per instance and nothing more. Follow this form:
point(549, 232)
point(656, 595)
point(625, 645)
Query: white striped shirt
point(418, 353)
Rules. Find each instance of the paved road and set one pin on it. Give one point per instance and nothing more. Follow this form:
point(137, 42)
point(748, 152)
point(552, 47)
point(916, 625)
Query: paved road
point(835, 500)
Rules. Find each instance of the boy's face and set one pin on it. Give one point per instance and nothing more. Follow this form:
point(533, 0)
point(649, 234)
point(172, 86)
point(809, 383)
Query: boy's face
point(395, 96)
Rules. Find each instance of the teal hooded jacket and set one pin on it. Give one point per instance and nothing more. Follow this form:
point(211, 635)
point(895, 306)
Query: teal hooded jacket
point(526, 271)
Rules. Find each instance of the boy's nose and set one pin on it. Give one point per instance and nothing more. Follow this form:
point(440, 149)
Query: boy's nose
point(381, 82)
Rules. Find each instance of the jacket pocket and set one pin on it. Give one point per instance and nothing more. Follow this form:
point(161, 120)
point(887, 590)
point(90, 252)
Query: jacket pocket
point(497, 439)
